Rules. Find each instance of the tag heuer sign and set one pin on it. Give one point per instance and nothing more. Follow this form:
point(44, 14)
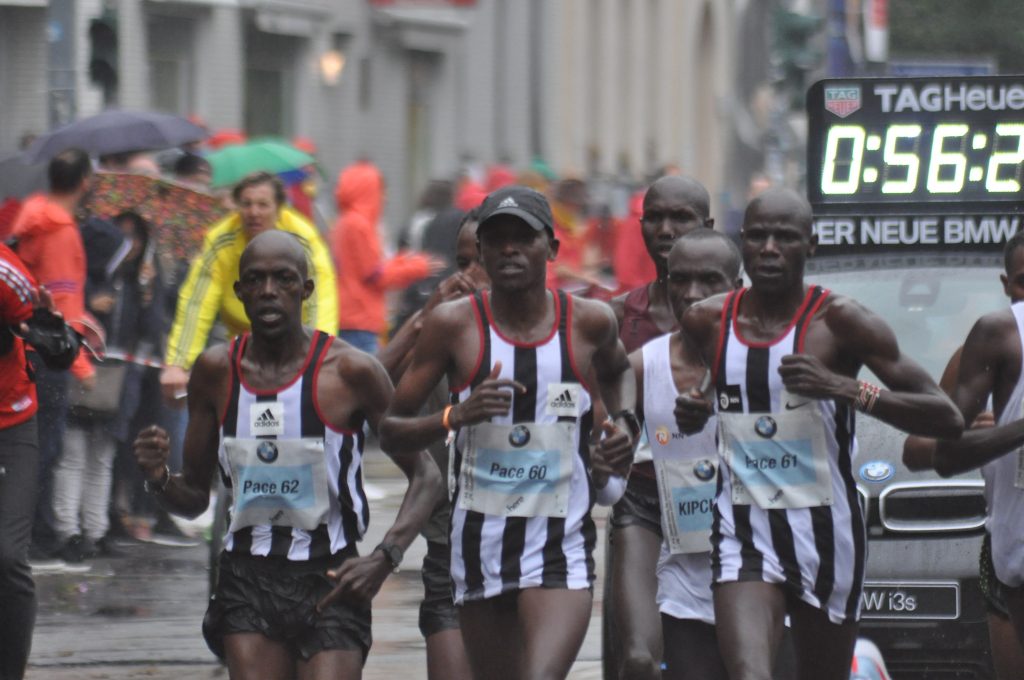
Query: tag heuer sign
point(842, 100)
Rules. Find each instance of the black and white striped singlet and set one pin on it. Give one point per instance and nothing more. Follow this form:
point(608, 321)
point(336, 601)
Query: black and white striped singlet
point(490, 554)
point(349, 512)
point(816, 553)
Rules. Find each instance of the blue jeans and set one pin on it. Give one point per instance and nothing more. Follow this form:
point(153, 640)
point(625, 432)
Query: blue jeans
point(364, 340)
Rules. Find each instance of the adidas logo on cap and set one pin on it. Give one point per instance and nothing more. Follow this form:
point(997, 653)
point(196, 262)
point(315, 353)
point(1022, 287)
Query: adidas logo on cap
point(508, 203)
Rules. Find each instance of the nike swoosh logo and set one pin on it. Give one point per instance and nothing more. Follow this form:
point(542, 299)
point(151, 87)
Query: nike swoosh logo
point(790, 407)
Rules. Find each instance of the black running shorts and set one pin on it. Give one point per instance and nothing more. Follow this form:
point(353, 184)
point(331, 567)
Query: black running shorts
point(277, 598)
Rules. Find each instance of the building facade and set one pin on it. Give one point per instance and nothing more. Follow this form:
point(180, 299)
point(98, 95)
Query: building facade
point(424, 88)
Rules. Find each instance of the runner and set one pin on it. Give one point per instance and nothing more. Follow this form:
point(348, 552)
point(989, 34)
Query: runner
point(788, 533)
point(990, 367)
point(673, 206)
point(521, 534)
point(702, 263)
point(289, 394)
point(919, 455)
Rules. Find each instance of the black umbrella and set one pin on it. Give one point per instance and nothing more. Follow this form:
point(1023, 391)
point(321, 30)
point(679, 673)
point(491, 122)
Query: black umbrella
point(117, 131)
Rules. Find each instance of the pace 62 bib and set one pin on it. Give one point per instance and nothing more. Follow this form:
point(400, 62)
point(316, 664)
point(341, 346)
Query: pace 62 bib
point(281, 482)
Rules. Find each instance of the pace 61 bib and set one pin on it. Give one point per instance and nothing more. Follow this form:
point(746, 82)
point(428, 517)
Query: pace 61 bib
point(777, 460)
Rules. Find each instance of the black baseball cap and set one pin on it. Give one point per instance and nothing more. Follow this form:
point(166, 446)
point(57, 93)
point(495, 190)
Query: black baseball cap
point(523, 202)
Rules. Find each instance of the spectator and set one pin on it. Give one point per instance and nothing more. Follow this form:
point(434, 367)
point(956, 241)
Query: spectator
point(206, 293)
point(193, 171)
point(23, 313)
point(126, 304)
point(364, 276)
point(578, 263)
point(50, 245)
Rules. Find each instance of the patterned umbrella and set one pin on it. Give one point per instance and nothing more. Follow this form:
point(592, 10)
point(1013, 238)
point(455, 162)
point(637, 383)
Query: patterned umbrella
point(178, 214)
point(232, 163)
point(116, 131)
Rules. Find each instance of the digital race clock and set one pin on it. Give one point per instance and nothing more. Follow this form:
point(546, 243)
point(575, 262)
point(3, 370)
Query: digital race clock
point(915, 145)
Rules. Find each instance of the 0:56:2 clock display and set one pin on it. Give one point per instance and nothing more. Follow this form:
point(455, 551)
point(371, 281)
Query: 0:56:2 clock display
point(903, 162)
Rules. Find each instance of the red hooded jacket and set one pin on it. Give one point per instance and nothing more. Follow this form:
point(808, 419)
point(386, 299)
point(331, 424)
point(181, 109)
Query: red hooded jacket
point(363, 275)
point(50, 245)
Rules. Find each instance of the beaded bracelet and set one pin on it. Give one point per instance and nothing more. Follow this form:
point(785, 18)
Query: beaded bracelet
point(867, 396)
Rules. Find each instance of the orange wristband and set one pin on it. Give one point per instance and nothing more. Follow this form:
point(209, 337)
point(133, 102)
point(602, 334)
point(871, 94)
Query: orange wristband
point(444, 417)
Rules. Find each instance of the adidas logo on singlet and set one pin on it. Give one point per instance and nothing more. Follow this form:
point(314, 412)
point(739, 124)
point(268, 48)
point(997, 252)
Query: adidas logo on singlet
point(266, 422)
point(563, 400)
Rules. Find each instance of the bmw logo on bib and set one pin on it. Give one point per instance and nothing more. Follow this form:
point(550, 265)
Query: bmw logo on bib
point(704, 470)
point(766, 427)
point(519, 436)
point(267, 452)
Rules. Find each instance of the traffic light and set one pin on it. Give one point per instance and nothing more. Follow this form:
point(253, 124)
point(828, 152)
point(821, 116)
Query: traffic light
point(103, 55)
point(794, 51)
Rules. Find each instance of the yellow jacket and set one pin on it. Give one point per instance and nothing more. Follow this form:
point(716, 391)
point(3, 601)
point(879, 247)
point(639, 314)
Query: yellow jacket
point(208, 289)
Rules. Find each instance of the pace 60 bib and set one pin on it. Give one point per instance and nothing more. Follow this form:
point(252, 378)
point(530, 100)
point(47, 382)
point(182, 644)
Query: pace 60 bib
point(520, 470)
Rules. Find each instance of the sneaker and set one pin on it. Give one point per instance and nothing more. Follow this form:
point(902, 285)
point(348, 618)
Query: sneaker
point(57, 566)
point(76, 549)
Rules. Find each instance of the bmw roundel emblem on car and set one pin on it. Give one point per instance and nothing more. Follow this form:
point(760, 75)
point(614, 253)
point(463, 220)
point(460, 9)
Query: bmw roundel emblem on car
point(704, 470)
point(267, 452)
point(519, 435)
point(766, 427)
point(876, 471)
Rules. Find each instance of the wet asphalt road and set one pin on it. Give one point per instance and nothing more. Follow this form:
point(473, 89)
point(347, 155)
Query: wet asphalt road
point(139, 616)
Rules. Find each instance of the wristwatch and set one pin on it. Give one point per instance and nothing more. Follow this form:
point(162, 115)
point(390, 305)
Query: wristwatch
point(631, 421)
point(392, 552)
point(158, 486)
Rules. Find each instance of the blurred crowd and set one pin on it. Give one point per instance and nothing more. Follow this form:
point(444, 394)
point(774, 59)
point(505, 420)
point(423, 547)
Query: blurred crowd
point(147, 310)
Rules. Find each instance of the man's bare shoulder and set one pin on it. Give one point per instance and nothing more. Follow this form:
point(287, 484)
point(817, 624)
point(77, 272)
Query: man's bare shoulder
point(845, 315)
point(996, 328)
point(450, 316)
point(355, 367)
point(595, 317)
point(618, 305)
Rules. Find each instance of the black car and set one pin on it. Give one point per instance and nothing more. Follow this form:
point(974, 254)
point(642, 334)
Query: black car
point(922, 604)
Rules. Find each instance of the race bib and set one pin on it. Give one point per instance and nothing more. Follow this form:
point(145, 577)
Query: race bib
point(687, 491)
point(520, 470)
point(777, 460)
point(280, 482)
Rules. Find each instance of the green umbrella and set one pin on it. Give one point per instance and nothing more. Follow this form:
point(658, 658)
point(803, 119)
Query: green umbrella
point(234, 162)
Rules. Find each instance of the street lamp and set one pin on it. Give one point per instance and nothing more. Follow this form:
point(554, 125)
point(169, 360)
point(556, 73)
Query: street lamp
point(332, 63)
